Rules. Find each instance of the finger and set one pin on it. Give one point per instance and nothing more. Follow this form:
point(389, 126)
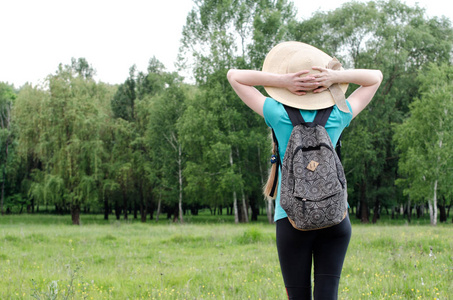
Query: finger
point(320, 69)
point(305, 88)
point(300, 73)
point(309, 84)
point(306, 79)
point(320, 77)
point(319, 90)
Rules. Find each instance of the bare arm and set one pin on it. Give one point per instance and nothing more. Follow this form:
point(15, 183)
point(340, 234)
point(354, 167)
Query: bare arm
point(369, 81)
point(244, 82)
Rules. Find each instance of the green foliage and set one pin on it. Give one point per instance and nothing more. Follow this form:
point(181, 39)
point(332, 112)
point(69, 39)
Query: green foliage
point(164, 138)
point(254, 235)
point(155, 143)
point(82, 68)
point(227, 139)
point(400, 41)
point(124, 100)
point(424, 139)
point(8, 160)
point(64, 136)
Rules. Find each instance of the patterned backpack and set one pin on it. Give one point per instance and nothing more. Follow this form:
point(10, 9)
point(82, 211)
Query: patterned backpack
point(313, 188)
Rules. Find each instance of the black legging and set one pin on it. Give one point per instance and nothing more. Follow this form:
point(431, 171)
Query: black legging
point(327, 247)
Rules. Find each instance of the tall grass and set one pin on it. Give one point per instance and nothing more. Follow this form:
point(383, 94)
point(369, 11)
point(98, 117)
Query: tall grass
point(44, 257)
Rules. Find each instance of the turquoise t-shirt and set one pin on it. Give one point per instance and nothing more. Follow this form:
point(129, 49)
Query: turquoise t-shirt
point(276, 117)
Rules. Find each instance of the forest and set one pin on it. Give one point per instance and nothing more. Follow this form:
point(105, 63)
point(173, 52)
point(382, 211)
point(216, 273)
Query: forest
point(163, 146)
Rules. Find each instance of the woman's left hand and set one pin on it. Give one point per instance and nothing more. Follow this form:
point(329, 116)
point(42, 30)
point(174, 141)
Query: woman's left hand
point(325, 78)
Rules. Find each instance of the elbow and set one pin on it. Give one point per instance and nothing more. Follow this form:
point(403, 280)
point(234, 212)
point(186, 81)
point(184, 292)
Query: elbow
point(379, 76)
point(231, 74)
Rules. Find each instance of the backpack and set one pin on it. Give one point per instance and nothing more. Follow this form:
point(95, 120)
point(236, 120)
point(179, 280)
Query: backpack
point(313, 184)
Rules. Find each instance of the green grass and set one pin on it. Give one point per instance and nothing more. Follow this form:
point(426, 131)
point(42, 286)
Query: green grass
point(209, 259)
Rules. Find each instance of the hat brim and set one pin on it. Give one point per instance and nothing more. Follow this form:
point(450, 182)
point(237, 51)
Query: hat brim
point(290, 57)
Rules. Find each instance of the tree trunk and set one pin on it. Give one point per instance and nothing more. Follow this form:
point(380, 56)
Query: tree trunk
point(431, 212)
point(433, 206)
point(235, 208)
point(175, 215)
point(376, 209)
point(143, 205)
point(269, 206)
point(419, 211)
point(245, 213)
point(142, 212)
point(125, 204)
point(106, 208)
point(409, 210)
point(235, 199)
point(3, 182)
point(75, 214)
point(150, 207)
point(255, 209)
point(135, 210)
point(269, 210)
point(117, 210)
point(358, 210)
point(181, 220)
point(3, 195)
point(364, 218)
point(158, 208)
point(6, 160)
point(442, 211)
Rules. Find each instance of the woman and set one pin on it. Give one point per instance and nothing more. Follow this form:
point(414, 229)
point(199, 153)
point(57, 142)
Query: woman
point(304, 77)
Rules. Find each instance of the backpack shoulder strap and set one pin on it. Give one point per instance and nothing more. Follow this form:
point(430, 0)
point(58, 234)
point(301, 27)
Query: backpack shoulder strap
point(294, 115)
point(322, 116)
point(279, 166)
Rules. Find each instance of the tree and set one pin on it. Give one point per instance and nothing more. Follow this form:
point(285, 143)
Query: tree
point(7, 97)
point(399, 40)
point(220, 35)
point(163, 137)
point(124, 100)
point(144, 109)
point(82, 68)
point(425, 139)
point(66, 138)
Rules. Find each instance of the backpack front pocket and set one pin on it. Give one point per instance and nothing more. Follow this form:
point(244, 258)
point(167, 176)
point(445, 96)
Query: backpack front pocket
point(315, 174)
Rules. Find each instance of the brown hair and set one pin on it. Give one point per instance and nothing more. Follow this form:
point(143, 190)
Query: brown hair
point(267, 189)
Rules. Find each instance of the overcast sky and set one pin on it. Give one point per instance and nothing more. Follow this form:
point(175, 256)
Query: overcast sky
point(37, 35)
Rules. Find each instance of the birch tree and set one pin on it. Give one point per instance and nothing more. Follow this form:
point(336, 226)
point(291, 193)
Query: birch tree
point(163, 136)
point(425, 139)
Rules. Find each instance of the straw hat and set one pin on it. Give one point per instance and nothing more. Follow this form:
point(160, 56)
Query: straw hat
point(291, 57)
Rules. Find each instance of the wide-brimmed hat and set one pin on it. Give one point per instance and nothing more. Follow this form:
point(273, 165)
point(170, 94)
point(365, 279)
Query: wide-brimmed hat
point(292, 57)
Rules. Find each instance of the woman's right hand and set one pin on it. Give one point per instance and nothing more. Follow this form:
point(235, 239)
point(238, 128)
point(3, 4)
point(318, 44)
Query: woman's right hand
point(299, 83)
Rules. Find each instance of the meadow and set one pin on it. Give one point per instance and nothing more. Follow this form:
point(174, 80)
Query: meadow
point(45, 257)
